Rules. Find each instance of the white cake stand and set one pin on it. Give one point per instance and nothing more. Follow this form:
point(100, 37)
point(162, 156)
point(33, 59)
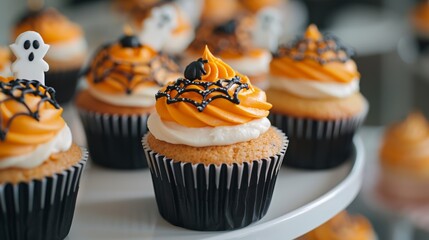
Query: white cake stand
point(121, 204)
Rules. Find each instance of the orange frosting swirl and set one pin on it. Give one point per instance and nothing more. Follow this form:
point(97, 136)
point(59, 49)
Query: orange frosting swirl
point(316, 58)
point(118, 69)
point(406, 145)
point(256, 5)
point(420, 17)
point(220, 112)
point(4, 58)
point(342, 227)
point(52, 26)
point(20, 130)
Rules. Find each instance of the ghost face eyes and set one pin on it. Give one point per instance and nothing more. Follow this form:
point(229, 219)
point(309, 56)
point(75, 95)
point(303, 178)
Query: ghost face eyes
point(27, 44)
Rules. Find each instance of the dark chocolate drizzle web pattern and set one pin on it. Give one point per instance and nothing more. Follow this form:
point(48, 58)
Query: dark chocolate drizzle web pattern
point(329, 43)
point(221, 87)
point(158, 65)
point(16, 90)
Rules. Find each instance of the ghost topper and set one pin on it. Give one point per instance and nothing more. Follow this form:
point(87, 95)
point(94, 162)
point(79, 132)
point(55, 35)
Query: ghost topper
point(29, 49)
point(195, 69)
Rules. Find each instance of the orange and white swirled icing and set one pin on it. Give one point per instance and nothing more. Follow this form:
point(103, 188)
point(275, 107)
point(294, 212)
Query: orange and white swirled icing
point(129, 76)
point(28, 142)
point(315, 67)
point(221, 122)
point(65, 38)
point(220, 112)
point(406, 145)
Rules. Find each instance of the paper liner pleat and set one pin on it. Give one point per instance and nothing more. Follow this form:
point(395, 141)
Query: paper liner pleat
point(114, 141)
point(316, 144)
point(40, 209)
point(213, 197)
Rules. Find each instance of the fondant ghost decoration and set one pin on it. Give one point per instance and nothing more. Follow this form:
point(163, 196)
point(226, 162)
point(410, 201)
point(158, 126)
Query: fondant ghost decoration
point(267, 30)
point(29, 49)
point(158, 28)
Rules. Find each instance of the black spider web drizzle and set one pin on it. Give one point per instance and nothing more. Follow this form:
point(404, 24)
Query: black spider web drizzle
point(102, 56)
point(327, 44)
point(16, 90)
point(221, 86)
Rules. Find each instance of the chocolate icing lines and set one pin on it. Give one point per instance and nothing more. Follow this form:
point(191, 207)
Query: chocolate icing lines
point(298, 50)
point(16, 90)
point(220, 89)
point(128, 74)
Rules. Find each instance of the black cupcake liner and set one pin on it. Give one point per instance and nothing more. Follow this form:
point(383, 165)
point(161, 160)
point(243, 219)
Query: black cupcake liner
point(422, 44)
point(317, 144)
point(40, 209)
point(64, 83)
point(212, 197)
point(114, 141)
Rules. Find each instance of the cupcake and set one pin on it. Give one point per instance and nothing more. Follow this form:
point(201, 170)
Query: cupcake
point(314, 89)
point(5, 62)
point(67, 51)
point(40, 167)
point(420, 25)
point(213, 156)
point(404, 160)
point(257, 5)
point(122, 78)
point(232, 41)
point(170, 16)
point(343, 227)
point(219, 11)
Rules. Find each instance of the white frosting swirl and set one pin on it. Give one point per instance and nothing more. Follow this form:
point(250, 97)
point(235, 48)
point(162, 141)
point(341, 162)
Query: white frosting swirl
point(174, 133)
point(314, 89)
point(179, 42)
point(67, 50)
point(144, 97)
point(62, 142)
point(251, 66)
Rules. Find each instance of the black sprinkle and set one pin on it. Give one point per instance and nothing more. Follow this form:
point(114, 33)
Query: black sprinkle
point(130, 41)
point(16, 90)
point(31, 57)
point(36, 44)
point(27, 44)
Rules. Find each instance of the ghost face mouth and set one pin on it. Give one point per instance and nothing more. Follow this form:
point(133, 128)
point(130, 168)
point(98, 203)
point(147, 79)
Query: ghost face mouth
point(35, 44)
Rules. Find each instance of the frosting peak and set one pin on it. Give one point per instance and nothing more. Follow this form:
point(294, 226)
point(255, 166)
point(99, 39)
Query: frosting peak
point(313, 33)
point(216, 95)
point(215, 68)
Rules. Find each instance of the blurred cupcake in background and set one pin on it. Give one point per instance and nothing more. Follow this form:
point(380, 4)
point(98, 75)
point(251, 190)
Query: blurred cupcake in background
point(404, 158)
point(123, 78)
point(40, 166)
point(343, 226)
point(314, 89)
point(67, 52)
point(257, 5)
point(216, 12)
point(5, 62)
point(420, 24)
point(165, 27)
point(210, 129)
point(232, 41)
